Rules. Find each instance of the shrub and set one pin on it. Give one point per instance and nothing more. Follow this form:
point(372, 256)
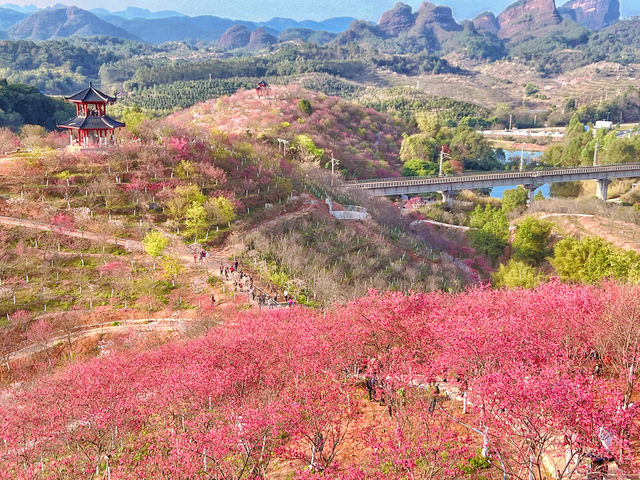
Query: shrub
point(531, 239)
point(304, 106)
point(513, 199)
point(516, 274)
point(154, 243)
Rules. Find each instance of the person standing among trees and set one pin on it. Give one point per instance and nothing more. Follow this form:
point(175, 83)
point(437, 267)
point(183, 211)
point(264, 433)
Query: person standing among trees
point(432, 394)
point(371, 376)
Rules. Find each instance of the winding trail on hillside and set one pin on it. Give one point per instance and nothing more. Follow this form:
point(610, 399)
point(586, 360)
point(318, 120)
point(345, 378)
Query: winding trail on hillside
point(149, 324)
point(185, 253)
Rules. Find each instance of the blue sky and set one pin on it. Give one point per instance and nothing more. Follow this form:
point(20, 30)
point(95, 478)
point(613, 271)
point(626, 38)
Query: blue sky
point(297, 9)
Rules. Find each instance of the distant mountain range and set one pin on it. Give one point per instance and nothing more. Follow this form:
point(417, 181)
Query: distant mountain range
point(430, 23)
point(62, 21)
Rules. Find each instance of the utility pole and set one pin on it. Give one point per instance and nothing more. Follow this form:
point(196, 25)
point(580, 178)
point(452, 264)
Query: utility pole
point(334, 163)
point(595, 155)
point(510, 120)
point(442, 156)
point(522, 158)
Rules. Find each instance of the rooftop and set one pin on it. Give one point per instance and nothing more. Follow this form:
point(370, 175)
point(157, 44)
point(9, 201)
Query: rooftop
point(90, 95)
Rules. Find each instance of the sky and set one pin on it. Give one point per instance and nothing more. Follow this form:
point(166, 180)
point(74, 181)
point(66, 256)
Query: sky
point(257, 10)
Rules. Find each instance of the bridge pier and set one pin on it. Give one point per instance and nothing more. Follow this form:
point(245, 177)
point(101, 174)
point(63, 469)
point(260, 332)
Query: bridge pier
point(602, 188)
point(531, 190)
point(448, 196)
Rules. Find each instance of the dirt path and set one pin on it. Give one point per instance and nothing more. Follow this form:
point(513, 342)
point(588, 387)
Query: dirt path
point(149, 324)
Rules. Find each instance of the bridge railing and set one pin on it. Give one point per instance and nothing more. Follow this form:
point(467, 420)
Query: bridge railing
point(530, 174)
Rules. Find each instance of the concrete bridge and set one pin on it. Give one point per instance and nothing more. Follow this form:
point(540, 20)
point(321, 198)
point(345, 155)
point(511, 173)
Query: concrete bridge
point(450, 185)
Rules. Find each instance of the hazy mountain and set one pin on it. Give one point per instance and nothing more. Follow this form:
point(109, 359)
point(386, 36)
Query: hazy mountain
point(135, 12)
point(28, 9)
point(237, 36)
point(333, 25)
point(307, 35)
point(64, 22)
point(9, 18)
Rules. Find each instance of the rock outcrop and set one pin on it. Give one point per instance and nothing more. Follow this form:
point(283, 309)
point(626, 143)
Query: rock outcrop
point(237, 36)
point(261, 38)
point(527, 16)
point(593, 14)
point(436, 16)
point(486, 22)
point(397, 20)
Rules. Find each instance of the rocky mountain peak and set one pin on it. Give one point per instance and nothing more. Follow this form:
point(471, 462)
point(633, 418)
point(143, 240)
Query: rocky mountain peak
point(397, 20)
point(442, 16)
point(526, 16)
point(594, 14)
point(486, 22)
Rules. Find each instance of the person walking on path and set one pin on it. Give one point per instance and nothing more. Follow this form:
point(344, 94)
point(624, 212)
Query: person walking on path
point(213, 299)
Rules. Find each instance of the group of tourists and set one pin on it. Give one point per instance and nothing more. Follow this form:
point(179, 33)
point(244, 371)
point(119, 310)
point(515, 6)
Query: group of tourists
point(200, 256)
point(376, 384)
point(243, 282)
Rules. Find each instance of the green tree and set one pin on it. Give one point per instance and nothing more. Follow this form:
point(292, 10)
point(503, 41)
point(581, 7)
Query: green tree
point(516, 274)
point(591, 259)
point(154, 243)
point(418, 154)
point(429, 123)
point(133, 117)
point(185, 169)
point(308, 147)
point(531, 240)
point(196, 219)
point(172, 267)
point(514, 198)
point(220, 210)
point(490, 230)
point(304, 106)
point(184, 196)
point(473, 150)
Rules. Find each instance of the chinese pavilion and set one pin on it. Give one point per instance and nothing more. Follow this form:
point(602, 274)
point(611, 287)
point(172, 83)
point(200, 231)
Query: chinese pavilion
point(263, 89)
point(91, 120)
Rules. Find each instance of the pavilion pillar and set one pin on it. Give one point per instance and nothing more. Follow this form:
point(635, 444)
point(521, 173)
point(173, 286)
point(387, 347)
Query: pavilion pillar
point(602, 188)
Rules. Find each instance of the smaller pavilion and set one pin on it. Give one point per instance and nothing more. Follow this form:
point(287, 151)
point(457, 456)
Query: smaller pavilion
point(91, 122)
point(263, 89)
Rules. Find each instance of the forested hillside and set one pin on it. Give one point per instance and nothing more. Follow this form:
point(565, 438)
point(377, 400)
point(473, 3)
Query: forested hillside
point(22, 104)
